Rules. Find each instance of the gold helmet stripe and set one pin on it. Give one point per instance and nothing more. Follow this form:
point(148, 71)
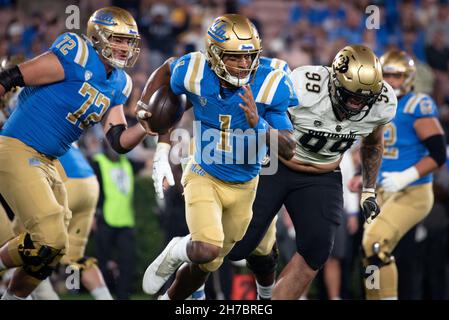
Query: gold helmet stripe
point(82, 53)
point(269, 86)
point(195, 72)
point(128, 86)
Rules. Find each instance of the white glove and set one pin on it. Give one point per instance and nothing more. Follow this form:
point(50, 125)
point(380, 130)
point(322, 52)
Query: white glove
point(162, 169)
point(396, 181)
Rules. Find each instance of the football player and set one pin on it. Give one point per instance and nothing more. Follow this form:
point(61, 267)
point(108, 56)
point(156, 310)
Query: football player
point(78, 82)
point(337, 106)
point(162, 177)
point(415, 147)
point(227, 94)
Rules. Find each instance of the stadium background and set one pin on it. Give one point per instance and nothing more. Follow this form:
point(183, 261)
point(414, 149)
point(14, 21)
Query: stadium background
point(300, 32)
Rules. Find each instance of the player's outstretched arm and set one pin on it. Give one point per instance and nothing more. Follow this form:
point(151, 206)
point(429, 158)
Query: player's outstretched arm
point(431, 135)
point(159, 78)
point(371, 152)
point(43, 69)
point(121, 138)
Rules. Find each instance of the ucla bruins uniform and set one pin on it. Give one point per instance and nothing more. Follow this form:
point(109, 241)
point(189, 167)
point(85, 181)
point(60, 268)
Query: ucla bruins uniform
point(47, 120)
point(321, 139)
point(220, 182)
point(401, 210)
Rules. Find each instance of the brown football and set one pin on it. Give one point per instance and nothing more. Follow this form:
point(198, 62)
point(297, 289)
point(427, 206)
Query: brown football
point(166, 109)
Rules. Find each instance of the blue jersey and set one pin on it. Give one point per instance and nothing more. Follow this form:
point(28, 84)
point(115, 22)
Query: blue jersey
point(222, 148)
point(50, 117)
point(75, 164)
point(403, 147)
point(275, 64)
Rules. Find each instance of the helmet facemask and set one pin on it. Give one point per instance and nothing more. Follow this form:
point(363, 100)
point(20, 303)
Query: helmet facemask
point(350, 105)
point(221, 69)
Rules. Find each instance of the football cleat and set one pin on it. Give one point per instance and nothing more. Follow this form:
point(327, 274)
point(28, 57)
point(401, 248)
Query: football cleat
point(161, 269)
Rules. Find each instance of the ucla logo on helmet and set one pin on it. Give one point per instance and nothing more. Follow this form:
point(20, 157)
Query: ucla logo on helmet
point(218, 31)
point(105, 18)
point(246, 47)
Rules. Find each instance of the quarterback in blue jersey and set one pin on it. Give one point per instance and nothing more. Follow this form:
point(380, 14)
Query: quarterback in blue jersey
point(414, 147)
point(75, 84)
point(221, 179)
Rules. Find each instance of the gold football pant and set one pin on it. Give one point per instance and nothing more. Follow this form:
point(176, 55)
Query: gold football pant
point(400, 211)
point(83, 196)
point(33, 188)
point(217, 212)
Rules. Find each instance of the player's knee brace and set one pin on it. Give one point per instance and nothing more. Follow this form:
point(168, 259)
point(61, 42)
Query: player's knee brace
point(39, 260)
point(381, 256)
point(263, 264)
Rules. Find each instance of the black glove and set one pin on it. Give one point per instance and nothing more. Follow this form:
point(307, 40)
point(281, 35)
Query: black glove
point(370, 208)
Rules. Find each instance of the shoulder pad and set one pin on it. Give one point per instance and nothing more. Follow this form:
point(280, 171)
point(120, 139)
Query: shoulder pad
point(310, 84)
point(72, 48)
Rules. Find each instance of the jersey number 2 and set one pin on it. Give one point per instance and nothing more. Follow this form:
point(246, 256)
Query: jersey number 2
point(93, 96)
point(390, 137)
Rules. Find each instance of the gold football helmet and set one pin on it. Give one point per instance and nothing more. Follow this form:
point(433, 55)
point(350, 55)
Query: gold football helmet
point(399, 62)
point(106, 25)
point(232, 34)
point(356, 81)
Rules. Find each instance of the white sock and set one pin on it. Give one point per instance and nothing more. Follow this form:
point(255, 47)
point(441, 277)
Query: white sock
point(264, 292)
point(44, 291)
point(101, 293)
point(164, 297)
point(11, 296)
point(179, 251)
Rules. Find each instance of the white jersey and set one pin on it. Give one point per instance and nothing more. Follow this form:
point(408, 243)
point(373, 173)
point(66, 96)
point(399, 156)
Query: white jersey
point(321, 137)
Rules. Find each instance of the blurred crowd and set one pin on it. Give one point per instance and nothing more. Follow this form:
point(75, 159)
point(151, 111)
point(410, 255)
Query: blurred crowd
point(300, 32)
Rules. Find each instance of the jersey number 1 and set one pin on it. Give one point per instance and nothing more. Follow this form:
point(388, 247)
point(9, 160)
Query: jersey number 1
point(225, 124)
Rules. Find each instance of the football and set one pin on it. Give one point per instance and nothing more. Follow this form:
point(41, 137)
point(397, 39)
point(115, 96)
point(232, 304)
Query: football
point(166, 109)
